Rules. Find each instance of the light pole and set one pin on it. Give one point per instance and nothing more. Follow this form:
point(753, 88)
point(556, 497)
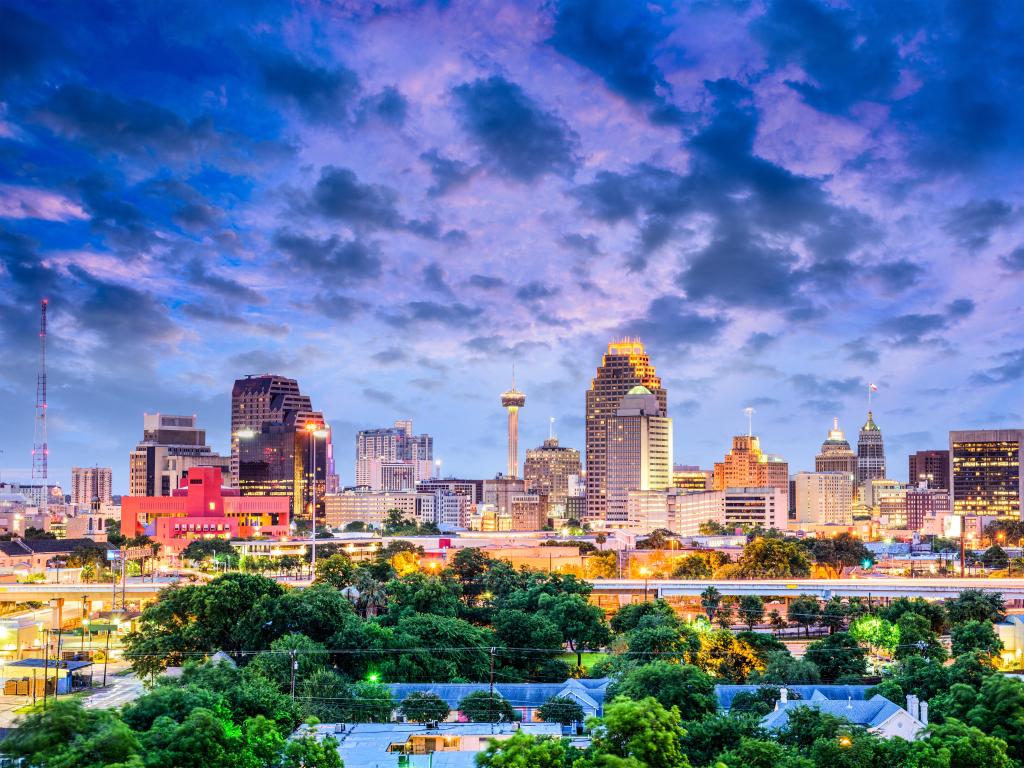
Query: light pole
point(646, 573)
point(314, 432)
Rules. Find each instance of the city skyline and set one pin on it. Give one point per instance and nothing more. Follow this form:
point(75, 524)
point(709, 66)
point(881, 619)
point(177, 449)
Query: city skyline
point(392, 207)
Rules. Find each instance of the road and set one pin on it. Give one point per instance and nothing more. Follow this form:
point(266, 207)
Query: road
point(119, 691)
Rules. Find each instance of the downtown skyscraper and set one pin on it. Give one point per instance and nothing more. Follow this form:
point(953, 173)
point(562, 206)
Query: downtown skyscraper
point(870, 453)
point(624, 365)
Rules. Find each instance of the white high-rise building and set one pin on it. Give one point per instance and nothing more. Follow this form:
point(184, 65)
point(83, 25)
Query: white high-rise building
point(638, 452)
point(767, 507)
point(824, 498)
point(380, 451)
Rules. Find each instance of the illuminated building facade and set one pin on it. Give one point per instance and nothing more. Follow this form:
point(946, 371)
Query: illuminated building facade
point(625, 365)
point(836, 454)
point(986, 470)
point(275, 441)
point(638, 453)
point(747, 466)
point(870, 453)
point(923, 503)
point(688, 478)
point(371, 508)
point(749, 507)
point(473, 490)
point(380, 454)
point(674, 509)
point(823, 498)
point(202, 509)
point(88, 483)
point(170, 447)
point(931, 467)
point(547, 470)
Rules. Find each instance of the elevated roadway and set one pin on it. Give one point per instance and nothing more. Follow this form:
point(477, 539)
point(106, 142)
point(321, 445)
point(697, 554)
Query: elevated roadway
point(928, 588)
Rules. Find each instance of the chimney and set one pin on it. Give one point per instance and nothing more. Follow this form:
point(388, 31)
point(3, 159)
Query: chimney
point(913, 707)
point(924, 712)
point(783, 695)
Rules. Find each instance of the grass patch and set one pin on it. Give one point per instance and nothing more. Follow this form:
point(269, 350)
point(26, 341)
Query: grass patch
point(38, 706)
point(589, 659)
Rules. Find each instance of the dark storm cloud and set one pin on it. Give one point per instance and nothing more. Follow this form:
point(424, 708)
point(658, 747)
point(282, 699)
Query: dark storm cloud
point(813, 386)
point(456, 315)
point(389, 106)
point(973, 224)
point(535, 291)
point(860, 351)
point(517, 138)
point(898, 274)
point(618, 41)
point(1014, 260)
point(131, 126)
point(758, 342)
point(260, 360)
point(845, 60)
point(913, 329)
point(1010, 368)
point(25, 44)
point(339, 194)
point(332, 257)
point(222, 316)
point(30, 279)
point(434, 279)
point(486, 282)
point(201, 277)
point(446, 172)
point(123, 223)
point(390, 356)
point(379, 395)
point(671, 324)
point(586, 244)
point(614, 197)
point(321, 93)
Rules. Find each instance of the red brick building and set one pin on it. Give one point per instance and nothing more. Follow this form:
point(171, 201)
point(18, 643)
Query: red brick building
point(202, 509)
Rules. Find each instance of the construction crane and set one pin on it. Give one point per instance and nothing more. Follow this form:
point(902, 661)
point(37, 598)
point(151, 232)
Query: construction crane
point(40, 449)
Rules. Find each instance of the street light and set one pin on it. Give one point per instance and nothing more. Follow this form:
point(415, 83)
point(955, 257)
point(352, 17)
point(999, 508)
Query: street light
point(646, 573)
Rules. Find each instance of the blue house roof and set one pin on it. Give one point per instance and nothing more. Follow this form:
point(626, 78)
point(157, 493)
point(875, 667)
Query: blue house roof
point(590, 693)
point(726, 693)
point(868, 714)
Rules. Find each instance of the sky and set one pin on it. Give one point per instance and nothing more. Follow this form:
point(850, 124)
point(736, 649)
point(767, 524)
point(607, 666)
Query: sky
point(392, 202)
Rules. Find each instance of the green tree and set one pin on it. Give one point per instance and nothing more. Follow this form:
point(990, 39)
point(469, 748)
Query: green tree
point(997, 708)
point(917, 639)
point(202, 740)
point(976, 635)
point(955, 745)
point(695, 566)
point(769, 558)
point(337, 570)
point(642, 730)
point(724, 656)
point(751, 610)
point(561, 709)
point(435, 637)
point(523, 751)
point(977, 605)
point(717, 733)
point(763, 644)
point(175, 702)
point(276, 663)
point(934, 612)
point(761, 753)
point(308, 752)
point(668, 642)
point(325, 695)
point(710, 600)
point(783, 669)
point(804, 611)
point(834, 615)
point(673, 685)
point(582, 625)
point(417, 593)
point(67, 735)
point(836, 553)
point(421, 707)
point(523, 634)
point(837, 657)
point(628, 617)
point(485, 707)
point(995, 557)
point(876, 632)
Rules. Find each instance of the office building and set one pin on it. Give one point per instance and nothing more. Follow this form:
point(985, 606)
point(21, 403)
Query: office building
point(625, 365)
point(747, 466)
point(750, 507)
point(891, 503)
point(547, 470)
point(638, 453)
point(836, 454)
point(690, 478)
point(512, 400)
point(870, 453)
point(202, 508)
point(170, 447)
point(823, 498)
point(923, 503)
point(986, 472)
point(931, 467)
point(381, 454)
point(372, 508)
point(88, 483)
point(500, 491)
point(471, 489)
point(280, 446)
point(674, 509)
point(33, 493)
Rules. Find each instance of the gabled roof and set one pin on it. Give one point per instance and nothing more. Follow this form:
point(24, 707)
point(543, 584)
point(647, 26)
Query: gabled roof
point(589, 693)
point(726, 693)
point(869, 714)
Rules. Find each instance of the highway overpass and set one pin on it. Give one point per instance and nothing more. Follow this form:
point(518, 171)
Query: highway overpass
point(929, 588)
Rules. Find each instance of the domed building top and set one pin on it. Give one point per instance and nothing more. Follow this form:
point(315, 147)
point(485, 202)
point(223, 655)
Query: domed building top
point(639, 389)
point(869, 425)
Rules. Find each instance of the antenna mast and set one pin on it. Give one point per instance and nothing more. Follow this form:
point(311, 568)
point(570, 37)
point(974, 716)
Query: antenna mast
point(40, 449)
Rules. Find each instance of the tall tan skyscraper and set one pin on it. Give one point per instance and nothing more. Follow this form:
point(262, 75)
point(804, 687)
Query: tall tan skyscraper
point(836, 454)
point(88, 483)
point(512, 400)
point(548, 468)
point(638, 456)
point(625, 365)
point(747, 466)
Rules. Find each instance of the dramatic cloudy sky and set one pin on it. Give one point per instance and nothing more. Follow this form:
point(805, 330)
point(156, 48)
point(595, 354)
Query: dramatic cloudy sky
point(393, 201)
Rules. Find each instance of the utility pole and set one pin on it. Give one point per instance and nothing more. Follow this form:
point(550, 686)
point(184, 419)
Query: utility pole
point(294, 665)
point(490, 702)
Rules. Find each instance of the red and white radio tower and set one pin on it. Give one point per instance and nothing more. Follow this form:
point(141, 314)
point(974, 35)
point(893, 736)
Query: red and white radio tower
point(40, 450)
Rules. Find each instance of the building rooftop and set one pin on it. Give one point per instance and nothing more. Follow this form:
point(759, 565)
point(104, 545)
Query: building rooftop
point(869, 714)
